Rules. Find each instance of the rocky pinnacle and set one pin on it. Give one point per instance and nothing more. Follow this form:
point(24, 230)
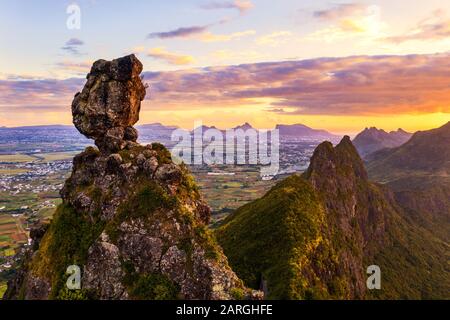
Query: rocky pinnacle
point(109, 104)
point(130, 218)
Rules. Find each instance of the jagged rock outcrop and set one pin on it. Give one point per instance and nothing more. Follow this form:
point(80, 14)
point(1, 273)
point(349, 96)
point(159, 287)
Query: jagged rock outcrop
point(109, 104)
point(313, 236)
point(132, 220)
point(356, 209)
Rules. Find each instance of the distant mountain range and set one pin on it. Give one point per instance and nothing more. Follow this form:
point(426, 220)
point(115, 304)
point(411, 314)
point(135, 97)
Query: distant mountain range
point(289, 131)
point(313, 236)
point(62, 138)
point(300, 130)
point(373, 139)
point(426, 152)
point(285, 130)
point(32, 139)
point(245, 126)
point(155, 126)
point(419, 174)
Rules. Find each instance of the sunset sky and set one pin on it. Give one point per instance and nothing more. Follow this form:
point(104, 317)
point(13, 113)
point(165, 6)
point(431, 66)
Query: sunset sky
point(335, 65)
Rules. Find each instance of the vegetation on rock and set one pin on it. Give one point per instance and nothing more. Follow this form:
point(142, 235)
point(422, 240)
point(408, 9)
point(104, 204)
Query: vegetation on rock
point(313, 236)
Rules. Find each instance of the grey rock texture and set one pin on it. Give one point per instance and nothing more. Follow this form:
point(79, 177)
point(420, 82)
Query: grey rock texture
point(109, 104)
point(131, 219)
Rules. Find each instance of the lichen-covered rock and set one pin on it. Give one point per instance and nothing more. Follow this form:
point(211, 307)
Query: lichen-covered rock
point(103, 271)
point(109, 104)
point(131, 219)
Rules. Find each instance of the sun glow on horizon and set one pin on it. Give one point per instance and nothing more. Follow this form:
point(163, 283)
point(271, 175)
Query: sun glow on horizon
point(335, 66)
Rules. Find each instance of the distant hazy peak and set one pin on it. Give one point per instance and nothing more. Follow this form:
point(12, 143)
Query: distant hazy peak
point(373, 139)
point(302, 130)
point(244, 126)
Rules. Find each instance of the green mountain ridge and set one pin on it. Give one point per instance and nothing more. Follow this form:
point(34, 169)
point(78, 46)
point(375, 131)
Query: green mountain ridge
point(418, 172)
point(313, 236)
point(426, 153)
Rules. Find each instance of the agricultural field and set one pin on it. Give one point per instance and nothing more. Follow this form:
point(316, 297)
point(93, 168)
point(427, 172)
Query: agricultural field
point(12, 234)
point(55, 156)
point(29, 193)
point(226, 192)
point(12, 171)
point(30, 184)
point(16, 158)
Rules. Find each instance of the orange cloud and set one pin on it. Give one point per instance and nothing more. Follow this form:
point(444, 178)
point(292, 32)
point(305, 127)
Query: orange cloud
point(368, 86)
point(171, 58)
point(361, 85)
point(274, 38)
point(349, 21)
point(78, 68)
point(210, 37)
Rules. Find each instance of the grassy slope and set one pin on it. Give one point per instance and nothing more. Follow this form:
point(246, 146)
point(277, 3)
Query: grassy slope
point(3, 287)
point(418, 173)
point(280, 238)
point(414, 263)
point(283, 237)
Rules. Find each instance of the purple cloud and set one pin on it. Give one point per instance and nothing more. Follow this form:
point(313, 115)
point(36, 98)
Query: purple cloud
point(340, 11)
point(178, 33)
point(361, 85)
point(72, 46)
point(74, 42)
point(240, 5)
point(435, 27)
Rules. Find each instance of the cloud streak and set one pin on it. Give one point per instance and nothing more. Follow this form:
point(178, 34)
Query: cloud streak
point(211, 37)
point(360, 85)
point(72, 46)
point(351, 20)
point(34, 95)
point(274, 38)
point(183, 32)
point(78, 68)
point(241, 5)
point(340, 11)
point(435, 27)
point(170, 58)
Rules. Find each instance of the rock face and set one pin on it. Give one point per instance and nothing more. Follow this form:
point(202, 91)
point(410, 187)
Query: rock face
point(109, 104)
point(132, 220)
point(318, 223)
point(372, 139)
point(313, 236)
point(419, 174)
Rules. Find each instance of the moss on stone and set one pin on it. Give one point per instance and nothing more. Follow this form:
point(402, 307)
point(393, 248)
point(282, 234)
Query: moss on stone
point(143, 203)
point(65, 243)
point(154, 286)
point(279, 238)
point(207, 240)
point(163, 154)
point(150, 286)
point(238, 293)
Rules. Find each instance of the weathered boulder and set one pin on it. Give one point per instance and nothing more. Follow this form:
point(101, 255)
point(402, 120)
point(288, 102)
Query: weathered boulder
point(109, 104)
